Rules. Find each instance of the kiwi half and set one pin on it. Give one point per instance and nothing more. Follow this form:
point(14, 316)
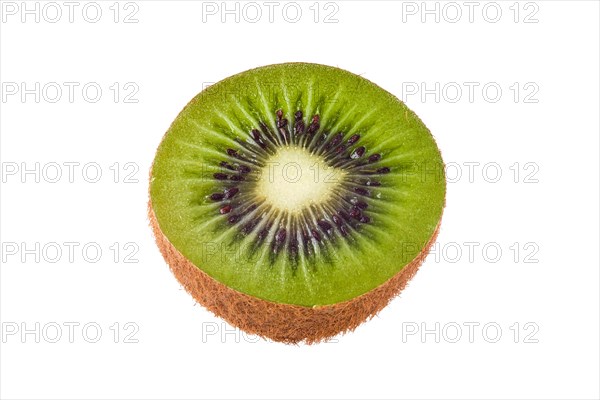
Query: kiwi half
point(295, 200)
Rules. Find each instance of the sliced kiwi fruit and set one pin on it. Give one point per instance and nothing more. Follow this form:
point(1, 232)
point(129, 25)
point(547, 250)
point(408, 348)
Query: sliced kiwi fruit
point(296, 200)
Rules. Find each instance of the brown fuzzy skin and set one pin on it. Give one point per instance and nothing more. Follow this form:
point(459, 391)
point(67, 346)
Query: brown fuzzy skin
point(282, 322)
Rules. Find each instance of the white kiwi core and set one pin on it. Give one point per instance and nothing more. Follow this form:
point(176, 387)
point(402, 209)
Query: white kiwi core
point(293, 179)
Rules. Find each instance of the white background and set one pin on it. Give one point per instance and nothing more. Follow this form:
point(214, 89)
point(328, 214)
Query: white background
point(548, 288)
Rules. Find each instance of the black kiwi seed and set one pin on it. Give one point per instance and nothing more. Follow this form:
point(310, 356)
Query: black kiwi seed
point(280, 237)
point(337, 139)
point(263, 234)
point(353, 139)
point(358, 152)
point(355, 212)
point(374, 157)
point(314, 125)
point(349, 209)
point(337, 220)
point(316, 235)
point(371, 182)
point(217, 196)
point(225, 164)
point(325, 226)
point(361, 191)
point(233, 153)
point(229, 193)
point(362, 205)
point(345, 216)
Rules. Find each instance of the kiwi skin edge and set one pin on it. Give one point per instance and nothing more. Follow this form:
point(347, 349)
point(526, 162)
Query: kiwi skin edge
point(279, 322)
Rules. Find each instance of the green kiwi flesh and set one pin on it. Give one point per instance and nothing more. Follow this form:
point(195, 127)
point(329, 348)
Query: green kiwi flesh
point(371, 207)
